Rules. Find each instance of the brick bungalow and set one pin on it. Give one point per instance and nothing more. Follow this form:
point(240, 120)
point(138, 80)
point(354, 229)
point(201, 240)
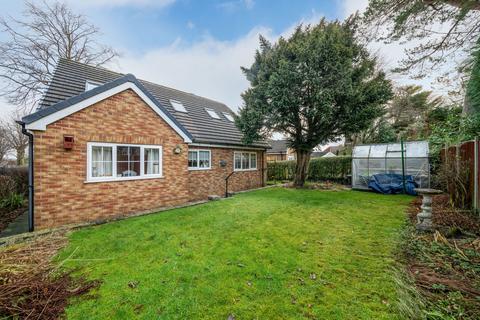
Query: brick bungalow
point(107, 145)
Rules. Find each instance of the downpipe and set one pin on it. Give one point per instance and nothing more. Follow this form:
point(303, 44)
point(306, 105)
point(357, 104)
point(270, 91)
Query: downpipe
point(30, 177)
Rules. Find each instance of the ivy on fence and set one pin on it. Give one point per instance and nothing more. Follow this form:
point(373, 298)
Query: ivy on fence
point(333, 169)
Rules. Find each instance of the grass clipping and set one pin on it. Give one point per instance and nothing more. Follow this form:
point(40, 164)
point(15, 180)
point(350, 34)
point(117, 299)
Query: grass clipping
point(31, 287)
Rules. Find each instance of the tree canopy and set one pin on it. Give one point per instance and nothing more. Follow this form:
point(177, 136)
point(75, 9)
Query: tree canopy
point(442, 29)
point(315, 86)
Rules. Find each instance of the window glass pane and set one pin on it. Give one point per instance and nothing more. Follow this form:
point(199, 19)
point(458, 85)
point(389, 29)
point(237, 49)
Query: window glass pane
point(134, 168)
point(151, 159)
point(97, 153)
point(204, 159)
point(253, 160)
point(238, 160)
point(192, 159)
point(245, 161)
point(134, 153)
point(128, 161)
point(107, 154)
point(101, 161)
point(122, 153)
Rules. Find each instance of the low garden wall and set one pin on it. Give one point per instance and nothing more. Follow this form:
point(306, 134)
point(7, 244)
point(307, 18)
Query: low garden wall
point(335, 169)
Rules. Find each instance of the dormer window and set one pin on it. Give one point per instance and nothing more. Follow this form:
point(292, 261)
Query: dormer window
point(89, 85)
point(178, 106)
point(212, 113)
point(228, 116)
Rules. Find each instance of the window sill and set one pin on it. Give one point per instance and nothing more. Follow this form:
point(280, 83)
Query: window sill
point(243, 170)
point(124, 179)
point(198, 169)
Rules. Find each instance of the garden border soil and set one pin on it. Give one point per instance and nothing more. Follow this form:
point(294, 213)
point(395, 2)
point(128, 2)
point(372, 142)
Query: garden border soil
point(443, 263)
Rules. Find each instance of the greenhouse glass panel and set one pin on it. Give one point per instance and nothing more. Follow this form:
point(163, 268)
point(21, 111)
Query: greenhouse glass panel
point(361, 151)
point(368, 160)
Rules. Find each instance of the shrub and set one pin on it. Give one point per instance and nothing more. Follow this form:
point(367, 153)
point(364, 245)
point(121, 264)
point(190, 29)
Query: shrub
point(12, 201)
point(333, 169)
point(19, 176)
point(7, 186)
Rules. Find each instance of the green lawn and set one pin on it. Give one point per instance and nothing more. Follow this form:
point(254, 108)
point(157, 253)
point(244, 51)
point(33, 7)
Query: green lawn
point(269, 254)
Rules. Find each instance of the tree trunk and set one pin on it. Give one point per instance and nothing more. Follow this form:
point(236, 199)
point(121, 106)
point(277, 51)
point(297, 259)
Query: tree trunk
point(303, 158)
point(20, 156)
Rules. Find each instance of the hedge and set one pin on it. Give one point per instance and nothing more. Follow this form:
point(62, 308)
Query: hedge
point(335, 169)
point(13, 180)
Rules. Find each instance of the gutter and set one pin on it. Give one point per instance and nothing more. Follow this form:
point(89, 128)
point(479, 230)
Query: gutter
point(30, 176)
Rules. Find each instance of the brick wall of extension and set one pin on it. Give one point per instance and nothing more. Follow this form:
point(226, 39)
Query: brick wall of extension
point(62, 195)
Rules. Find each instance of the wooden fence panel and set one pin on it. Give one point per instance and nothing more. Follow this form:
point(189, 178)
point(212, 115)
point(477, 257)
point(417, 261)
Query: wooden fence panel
point(464, 159)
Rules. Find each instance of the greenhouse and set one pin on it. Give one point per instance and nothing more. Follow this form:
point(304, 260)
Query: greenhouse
point(406, 159)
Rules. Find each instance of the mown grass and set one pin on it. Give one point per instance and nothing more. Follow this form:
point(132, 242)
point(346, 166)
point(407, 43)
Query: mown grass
point(270, 254)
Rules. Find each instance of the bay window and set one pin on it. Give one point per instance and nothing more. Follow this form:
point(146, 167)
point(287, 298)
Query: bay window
point(111, 162)
point(244, 161)
point(199, 159)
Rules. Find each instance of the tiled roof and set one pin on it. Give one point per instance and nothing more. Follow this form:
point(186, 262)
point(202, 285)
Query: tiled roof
point(70, 78)
point(278, 146)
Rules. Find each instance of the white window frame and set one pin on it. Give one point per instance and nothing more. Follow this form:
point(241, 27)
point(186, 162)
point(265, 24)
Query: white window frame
point(212, 113)
point(89, 85)
point(249, 160)
point(198, 160)
point(114, 177)
point(229, 117)
point(178, 106)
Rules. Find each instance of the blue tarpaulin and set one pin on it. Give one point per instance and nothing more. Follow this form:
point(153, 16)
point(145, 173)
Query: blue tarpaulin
point(389, 183)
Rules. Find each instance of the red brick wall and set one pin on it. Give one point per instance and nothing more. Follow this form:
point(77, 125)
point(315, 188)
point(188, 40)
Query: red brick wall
point(212, 182)
point(63, 197)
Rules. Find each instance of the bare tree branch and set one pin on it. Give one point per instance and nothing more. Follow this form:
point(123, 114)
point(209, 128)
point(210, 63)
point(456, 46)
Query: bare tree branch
point(47, 31)
point(444, 30)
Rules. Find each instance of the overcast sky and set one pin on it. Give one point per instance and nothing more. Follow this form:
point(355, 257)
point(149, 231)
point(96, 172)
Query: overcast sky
point(199, 46)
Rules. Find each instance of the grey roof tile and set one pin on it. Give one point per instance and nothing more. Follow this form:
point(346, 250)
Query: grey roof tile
point(68, 84)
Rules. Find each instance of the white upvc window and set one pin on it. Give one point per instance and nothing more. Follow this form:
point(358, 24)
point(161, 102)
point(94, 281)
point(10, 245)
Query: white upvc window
point(212, 113)
point(89, 85)
point(118, 161)
point(243, 161)
point(199, 159)
point(228, 116)
point(177, 105)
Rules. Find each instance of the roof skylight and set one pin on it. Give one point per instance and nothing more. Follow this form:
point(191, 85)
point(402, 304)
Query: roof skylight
point(178, 106)
point(212, 113)
point(228, 116)
point(89, 85)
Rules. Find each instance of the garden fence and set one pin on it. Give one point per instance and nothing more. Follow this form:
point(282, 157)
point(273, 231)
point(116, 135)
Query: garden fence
point(460, 170)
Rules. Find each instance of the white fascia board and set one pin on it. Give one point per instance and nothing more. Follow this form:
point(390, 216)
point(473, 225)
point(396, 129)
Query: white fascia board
point(42, 123)
point(226, 146)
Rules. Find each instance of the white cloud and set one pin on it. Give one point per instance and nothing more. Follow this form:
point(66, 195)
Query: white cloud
point(210, 67)
point(234, 5)
point(351, 6)
point(117, 3)
point(249, 4)
point(190, 25)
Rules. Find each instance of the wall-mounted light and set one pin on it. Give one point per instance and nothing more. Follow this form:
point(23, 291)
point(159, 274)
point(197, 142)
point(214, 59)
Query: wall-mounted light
point(223, 163)
point(177, 149)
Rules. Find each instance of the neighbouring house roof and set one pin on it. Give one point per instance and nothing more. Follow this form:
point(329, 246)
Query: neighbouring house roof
point(68, 86)
point(278, 146)
point(334, 149)
point(329, 155)
point(317, 154)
